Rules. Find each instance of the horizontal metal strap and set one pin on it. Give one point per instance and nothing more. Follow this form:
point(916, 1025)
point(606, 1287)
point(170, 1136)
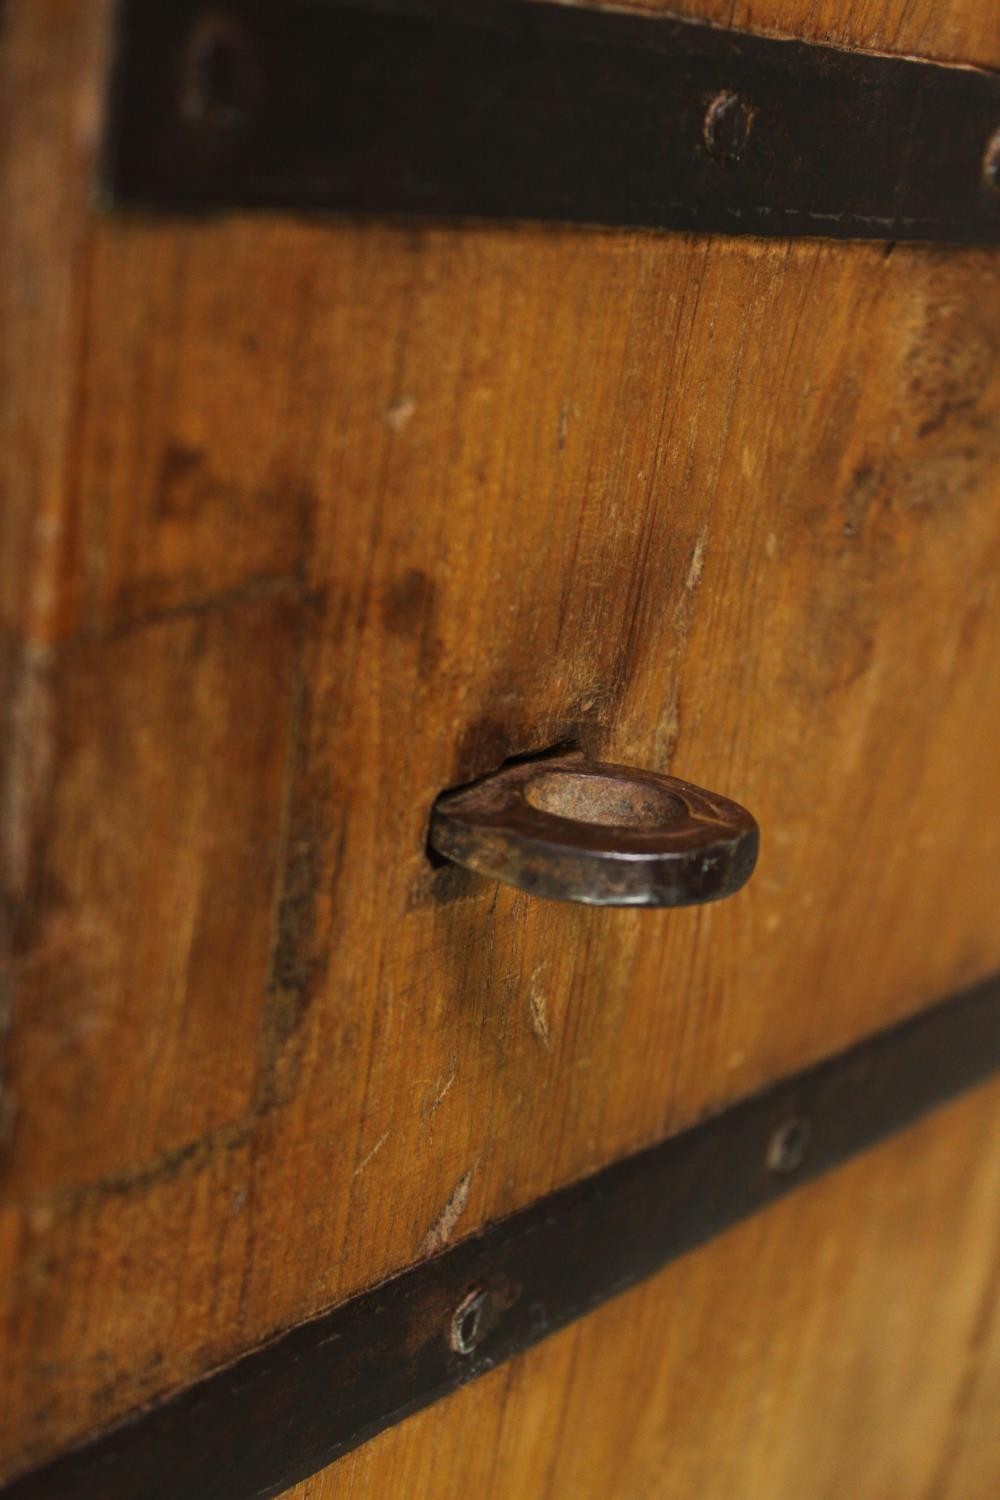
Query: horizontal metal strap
point(506, 110)
point(290, 1408)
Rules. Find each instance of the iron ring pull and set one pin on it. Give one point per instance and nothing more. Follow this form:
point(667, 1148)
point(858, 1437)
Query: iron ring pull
point(570, 829)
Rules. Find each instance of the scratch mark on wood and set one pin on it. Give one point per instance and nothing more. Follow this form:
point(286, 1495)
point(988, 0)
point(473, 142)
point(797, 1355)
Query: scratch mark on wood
point(696, 564)
point(399, 412)
point(444, 1225)
point(372, 1153)
point(538, 1011)
point(439, 1097)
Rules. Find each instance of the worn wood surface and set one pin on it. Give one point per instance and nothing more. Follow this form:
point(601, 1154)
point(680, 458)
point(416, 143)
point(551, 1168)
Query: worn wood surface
point(307, 522)
point(288, 1409)
point(844, 1343)
point(964, 31)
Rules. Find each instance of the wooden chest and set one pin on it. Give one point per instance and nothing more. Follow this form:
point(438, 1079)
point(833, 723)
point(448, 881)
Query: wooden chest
point(309, 517)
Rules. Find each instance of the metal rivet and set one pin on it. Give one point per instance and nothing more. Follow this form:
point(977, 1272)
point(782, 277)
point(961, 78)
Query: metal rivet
point(787, 1147)
point(728, 121)
point(991, 162)
point(218, 75)
point(468, 1323)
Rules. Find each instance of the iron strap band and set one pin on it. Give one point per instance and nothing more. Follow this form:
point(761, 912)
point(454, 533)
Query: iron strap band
point(507, 110)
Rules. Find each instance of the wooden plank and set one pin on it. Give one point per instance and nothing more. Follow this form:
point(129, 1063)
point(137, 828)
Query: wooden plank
point(738, 598)
point(318, 1392)
point(834, 1345)
point(962, 31)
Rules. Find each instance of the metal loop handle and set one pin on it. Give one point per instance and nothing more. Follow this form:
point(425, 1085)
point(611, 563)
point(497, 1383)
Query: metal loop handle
point(570, 829)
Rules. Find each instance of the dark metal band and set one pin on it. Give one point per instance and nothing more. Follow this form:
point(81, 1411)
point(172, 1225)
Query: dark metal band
point(501, 109)
point(292, 1407)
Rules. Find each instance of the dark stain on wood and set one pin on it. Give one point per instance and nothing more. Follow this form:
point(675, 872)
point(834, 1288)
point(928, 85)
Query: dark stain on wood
point(408, 612)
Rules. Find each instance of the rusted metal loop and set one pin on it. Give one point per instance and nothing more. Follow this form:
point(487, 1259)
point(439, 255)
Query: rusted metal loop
point(570, 829)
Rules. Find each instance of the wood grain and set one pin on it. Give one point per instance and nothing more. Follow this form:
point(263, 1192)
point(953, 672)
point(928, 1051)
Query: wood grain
point(962, 31)
point(156, 887)
point(52, 66)
point(834, 1346)
point(340, 515)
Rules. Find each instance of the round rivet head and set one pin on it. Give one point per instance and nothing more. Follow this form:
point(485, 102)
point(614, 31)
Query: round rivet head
point(469, 1323)
point(219, 77)
point(728, 122)
point(786, 1150)
point(991, 162)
